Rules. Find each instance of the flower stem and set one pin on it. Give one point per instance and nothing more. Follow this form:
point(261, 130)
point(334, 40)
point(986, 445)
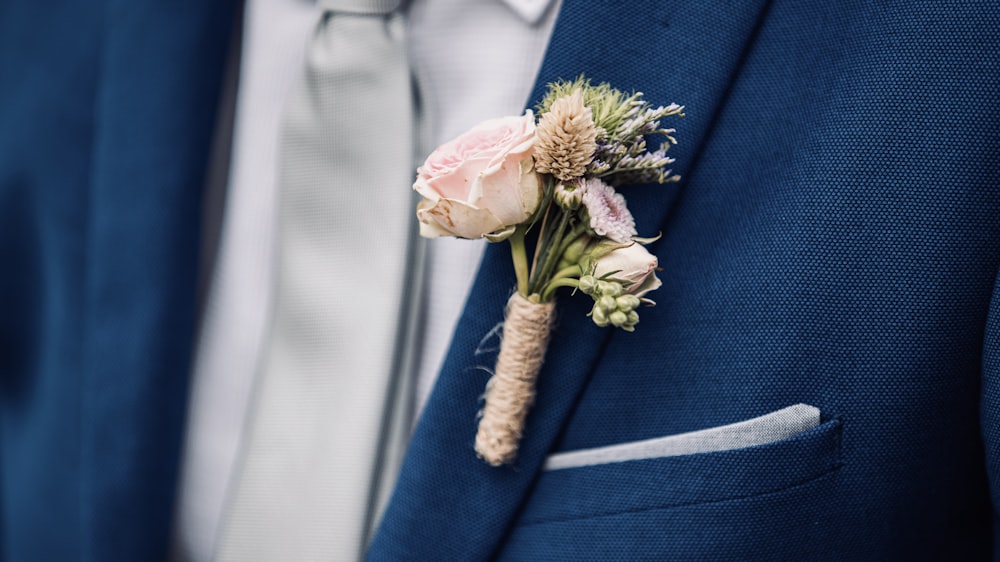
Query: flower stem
point(556, 283)
point(567, 272)
point(565, 277)
point(573, 235)
point(520, 257)
point(538, 244)
point(549, 250)
point(510, 392)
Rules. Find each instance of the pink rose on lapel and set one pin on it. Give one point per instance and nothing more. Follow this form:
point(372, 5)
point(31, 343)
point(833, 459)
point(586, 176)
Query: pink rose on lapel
point(481, 183)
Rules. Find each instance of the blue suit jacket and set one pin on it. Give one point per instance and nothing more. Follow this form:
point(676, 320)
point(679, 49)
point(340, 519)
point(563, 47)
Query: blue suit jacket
point(835, 241)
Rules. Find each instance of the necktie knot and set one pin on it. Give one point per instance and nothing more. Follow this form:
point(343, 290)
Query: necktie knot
point(361, 7)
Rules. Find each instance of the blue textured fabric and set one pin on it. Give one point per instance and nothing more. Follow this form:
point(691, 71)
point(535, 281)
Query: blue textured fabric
point(106, 115)
point(834, 242)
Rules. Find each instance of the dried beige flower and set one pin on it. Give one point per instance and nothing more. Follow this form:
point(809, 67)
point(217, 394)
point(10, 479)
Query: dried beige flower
point(565, 138)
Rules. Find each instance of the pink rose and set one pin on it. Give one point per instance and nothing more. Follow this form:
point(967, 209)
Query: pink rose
point(633, 265)
point(481, 183)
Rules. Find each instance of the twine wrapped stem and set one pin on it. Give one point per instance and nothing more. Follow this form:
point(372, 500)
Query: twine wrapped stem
point(510, 392)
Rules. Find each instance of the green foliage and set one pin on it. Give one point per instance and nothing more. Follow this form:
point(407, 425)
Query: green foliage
point(610, 107)
point(623, 122)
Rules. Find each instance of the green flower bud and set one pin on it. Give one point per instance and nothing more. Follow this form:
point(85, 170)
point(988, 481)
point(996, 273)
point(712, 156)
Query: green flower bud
point(568, 196)
point(599, 316)
point(633, 318)
point(607, 304)
point(588, 284)
point(627, 302)
point(575, 250)
point(609, 288)
point(618, 318)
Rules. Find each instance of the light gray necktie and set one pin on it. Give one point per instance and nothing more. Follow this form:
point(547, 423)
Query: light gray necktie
point(334, 355)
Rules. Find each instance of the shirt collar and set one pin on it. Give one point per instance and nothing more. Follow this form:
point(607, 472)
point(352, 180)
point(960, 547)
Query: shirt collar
point(529, 10)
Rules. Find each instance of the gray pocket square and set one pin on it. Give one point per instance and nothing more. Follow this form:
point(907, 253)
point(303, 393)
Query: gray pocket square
point(768, 428)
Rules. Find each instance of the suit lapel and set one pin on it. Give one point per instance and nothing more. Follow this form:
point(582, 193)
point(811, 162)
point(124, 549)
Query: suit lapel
point(449, 505)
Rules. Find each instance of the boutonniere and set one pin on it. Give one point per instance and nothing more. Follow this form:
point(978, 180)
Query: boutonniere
point(554, 178)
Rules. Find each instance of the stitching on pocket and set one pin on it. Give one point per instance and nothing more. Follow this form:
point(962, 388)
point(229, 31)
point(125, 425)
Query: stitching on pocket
point(827, 473)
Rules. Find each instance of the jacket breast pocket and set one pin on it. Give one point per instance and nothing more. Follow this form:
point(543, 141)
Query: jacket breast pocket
point(722, 504)
point(604, 488)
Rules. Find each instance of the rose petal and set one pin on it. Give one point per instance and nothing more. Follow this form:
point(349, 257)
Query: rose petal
point(457, 219)
point(512, 192)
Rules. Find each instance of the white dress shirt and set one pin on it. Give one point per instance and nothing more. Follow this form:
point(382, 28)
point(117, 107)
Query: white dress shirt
point(474, 60)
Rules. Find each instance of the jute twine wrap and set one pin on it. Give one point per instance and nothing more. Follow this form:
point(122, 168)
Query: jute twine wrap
point(511, 390)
